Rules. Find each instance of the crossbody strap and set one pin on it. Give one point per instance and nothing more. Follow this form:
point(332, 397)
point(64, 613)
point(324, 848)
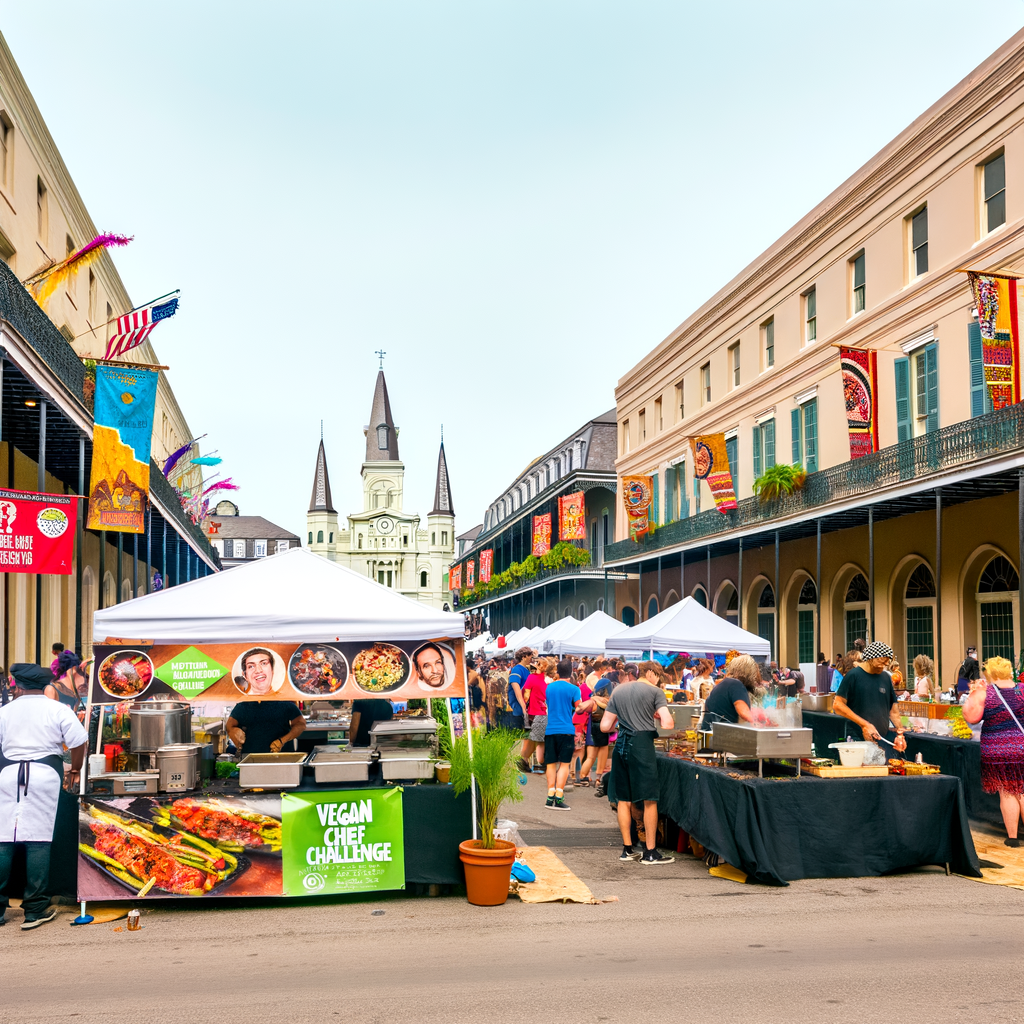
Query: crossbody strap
point(1007, 706)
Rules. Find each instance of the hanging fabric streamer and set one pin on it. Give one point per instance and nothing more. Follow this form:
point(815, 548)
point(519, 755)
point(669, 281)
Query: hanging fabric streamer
point(50, 280)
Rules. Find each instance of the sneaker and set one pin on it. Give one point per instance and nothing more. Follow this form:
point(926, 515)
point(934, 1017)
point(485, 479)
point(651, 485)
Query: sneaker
point(654, 857)
point(48, 916)
point(550, 802)
point(630, 853)
point(1011, 842)
point(523, 765)
point(600, 789)
point(561, 805)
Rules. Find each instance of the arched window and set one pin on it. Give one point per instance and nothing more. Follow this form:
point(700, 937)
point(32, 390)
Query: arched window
point(919, 599)
point(628, 616)
point(652, 607)
point(310, 536)
point(540, 620)
point(855, 610)
point(382, 437)
point(600, 604)
point(126, 590)
point(581, 612)
point(319, 536)
point(766, 616)
point(423, 579)
point(551, 616)
point(700, 596)
point(998, 592)
point(806, 608)
point(109, 590)
point(88, 607)
point(359, 541)
point(330, 538)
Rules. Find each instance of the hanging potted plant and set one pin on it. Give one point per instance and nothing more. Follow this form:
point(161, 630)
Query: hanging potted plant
point(779, 480)
point(492, 765)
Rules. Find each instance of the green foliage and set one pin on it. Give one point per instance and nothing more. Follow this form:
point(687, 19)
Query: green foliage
point(778, 480)
point(493, 766)
point(562, 554)
point(439, 712)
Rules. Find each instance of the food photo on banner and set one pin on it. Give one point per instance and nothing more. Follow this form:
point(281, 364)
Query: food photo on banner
point(860, 393)
point(711, 463)
point(637, 492)
point(486, 565)
point(572, 523)
point(37, 532)
point(542, 534)
point(122, 434)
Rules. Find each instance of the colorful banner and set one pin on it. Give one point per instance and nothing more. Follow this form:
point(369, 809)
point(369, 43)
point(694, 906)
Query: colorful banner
point(995, 297)
point(455, 575)
point(342, 841)
point(860, 392)
point(37, 532)
point(470, 574)
point(272, 844)
point(486, 565)
point(637, 494)
point(572, 517)
point(279, 671)
point(711, 463)
point(542, 534)
point(123, 430)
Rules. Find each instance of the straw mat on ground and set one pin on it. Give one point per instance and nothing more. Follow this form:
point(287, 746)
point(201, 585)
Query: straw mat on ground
point(555, 882)
point(991, 850)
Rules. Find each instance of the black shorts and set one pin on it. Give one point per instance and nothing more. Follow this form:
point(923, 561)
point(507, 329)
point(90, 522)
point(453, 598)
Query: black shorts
point(596, 738)
point(635, 768)
point(559, 748)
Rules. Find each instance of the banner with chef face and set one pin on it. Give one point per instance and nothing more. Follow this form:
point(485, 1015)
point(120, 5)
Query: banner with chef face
point(37, 532)
point(275, 671)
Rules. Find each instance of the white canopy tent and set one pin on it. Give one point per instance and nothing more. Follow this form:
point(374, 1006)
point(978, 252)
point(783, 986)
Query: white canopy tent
point(512, 639)
point(551, 634)
point(294, 596)
point(529, 637)
point(689, 626)
point(590, 636)
point(478, 642)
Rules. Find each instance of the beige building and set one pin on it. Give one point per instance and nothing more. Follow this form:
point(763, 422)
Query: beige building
point(918, 542)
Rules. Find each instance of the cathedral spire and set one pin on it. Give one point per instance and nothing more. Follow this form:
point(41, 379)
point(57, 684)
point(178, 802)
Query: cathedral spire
point(381, 436)
point(442, 493)
point(320, 499)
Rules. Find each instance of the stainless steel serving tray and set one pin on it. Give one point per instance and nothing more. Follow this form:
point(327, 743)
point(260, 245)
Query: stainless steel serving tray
point(397, 768)
point(271, 771)
point(750, 742)
point(817, 701)
point(685, 716)
point(340, 764)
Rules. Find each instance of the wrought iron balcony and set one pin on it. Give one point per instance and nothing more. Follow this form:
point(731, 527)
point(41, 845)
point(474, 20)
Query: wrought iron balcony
point(568, 572)
point(957, 445)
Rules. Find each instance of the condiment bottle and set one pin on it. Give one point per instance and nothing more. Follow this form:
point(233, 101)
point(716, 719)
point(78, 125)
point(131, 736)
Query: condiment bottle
point(133, 920)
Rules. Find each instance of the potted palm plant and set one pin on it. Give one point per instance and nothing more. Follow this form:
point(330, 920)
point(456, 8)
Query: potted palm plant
point(491, 764)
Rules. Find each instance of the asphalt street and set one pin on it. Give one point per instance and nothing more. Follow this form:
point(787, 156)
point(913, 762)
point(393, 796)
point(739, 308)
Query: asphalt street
point(678, 944)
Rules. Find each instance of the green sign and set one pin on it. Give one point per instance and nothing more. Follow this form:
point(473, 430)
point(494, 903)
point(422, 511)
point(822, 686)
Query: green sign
point(190, 672)
point(350, 841)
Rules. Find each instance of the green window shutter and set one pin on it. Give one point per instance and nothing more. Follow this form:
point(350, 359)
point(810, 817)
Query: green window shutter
point(732, 454)
point(654, 497)
point(684, 501)
point(670, 484)
point(769, 443)
point(811, 436)
point(981, 400)
point(696, 495)
point(756, 446)
point(903, 399)
point(794, 419)
point(931, 360)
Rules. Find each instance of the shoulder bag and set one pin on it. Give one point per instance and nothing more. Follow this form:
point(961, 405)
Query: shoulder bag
point(1007, 706)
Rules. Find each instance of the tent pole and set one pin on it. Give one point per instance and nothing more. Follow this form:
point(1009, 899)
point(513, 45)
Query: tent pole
point(817, 587)
point(739, 587)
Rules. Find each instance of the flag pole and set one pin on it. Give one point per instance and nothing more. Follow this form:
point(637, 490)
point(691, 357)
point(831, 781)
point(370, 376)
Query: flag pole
point(134, 309)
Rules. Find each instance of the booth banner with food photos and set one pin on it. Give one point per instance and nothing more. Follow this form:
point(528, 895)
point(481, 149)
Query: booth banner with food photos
point(292, 844)
point(37, 532)
point(279, 671)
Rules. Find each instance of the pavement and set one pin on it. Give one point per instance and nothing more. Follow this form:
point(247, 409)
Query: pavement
point(678, 945)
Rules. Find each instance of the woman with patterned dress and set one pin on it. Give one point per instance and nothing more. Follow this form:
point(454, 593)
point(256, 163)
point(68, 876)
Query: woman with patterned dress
point(1000, 703)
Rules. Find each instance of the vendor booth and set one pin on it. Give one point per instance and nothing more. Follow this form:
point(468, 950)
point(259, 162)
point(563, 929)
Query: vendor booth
point(167, 814)
point(590, 635)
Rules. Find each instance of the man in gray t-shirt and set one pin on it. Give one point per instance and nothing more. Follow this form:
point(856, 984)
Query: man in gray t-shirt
point(635, 705)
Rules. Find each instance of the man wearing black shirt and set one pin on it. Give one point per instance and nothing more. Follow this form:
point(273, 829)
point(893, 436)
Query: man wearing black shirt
point(867, 698)
point(264, 726)
point(364, 714)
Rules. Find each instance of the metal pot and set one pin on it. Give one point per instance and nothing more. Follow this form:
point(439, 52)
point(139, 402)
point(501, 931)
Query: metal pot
point(157, 723)
point(178, 764)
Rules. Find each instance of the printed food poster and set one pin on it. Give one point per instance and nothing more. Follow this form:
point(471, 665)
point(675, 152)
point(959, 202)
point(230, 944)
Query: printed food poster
point(276, 671)
point(37, 532)
point(292, 844)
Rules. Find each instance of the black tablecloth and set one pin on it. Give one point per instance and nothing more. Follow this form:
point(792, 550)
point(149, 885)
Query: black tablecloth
point(779, 830)
point(961, 758)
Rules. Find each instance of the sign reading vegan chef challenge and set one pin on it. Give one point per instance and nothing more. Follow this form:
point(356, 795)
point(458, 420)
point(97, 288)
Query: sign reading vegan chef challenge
point(340, 842)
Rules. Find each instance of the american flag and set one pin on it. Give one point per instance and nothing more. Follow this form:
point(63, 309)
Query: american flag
point(135, 327)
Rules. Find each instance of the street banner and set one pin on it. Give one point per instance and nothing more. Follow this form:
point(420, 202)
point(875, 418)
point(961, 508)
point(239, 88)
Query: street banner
point(456, 578)
point(860, 393)
point(637, 493)
point(37, 532)
point(486, 565)
point(995, 298)
point(711, 463)
point(470, 574)
point(542, 534)
point(340, 842)
point(123, 430)
point(572, 520)
point(278, 671)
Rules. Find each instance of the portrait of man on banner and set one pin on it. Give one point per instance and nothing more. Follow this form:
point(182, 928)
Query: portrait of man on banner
point(542, 534)
point(637, 494)
point(486, 565)
point(572, 520)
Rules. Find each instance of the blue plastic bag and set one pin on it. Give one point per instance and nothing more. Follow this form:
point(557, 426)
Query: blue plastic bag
point(523, 872)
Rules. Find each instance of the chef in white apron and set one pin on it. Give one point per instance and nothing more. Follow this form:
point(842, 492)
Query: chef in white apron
point(33, 733)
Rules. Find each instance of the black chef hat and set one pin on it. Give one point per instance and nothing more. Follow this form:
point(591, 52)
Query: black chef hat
point(31, 677)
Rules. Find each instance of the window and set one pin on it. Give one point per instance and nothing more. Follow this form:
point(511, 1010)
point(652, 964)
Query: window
point(444, 538)
point(604, 527)
point(732, 454)
point(625, 441)
point(734, 364)
point(855, 610)
point(319, 536)
point(69, 251)
point(423, 579)
point(804, 421)
point(405, 540)
point(41, 217)
point(766, 616)
point(330, 537)
point(6, 134)
point(811, 315)
point(705, 384)
point(858, 295)
point(917, 393)
point(918, 232)
point(359, 541)
point(763, 447)
point(652, 607)
point(768, 342)
point(218, 546)
point(981, 397)
point(433, 539)
point(659, 423)
point(92, 298)
point(642, 426)
point(998, 590)
point(311, 538)
point(382, 437)
point(279, 546)
point(700, 596)
point(628, 616)
point(920, 613)
point(259, 548)
point(6, 250)
point(994, 193)
point(680, 400)
point(239, 549)
point(806, 607)
point(655, 503)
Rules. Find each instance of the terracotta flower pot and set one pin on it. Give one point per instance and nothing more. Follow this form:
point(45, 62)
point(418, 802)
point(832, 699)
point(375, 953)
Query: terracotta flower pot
point(487, 871)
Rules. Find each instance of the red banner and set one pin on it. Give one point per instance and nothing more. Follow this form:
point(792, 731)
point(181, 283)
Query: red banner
point(37, 532)
point(470, 574)
point(572, 517)
point(486, 565)
point(860, 393)
point(995, 296)
point(542, 534)
point(455, 577)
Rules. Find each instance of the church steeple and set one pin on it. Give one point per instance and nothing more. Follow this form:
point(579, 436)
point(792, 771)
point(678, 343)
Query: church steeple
point(381, 435)
point(442, 492)
point(320, 499)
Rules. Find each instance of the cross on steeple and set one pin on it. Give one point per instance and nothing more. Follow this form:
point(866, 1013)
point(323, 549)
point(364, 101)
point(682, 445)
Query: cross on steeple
point(381, 353)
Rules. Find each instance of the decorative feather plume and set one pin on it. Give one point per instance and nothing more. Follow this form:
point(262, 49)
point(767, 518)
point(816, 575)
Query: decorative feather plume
point(48, 281)
point(207, 460)
point(221, 485)
point(175, 457)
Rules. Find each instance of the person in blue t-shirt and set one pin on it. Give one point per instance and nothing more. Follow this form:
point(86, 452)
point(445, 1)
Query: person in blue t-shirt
point(516, 678)
point(563, 699)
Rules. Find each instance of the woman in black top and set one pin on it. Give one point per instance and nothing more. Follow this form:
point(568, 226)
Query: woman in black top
point(730, 699)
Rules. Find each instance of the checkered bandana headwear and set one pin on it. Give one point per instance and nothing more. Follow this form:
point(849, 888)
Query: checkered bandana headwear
point(877, 649)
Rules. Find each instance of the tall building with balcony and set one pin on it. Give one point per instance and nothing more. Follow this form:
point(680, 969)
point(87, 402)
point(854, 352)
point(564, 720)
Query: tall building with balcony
point(916, 544)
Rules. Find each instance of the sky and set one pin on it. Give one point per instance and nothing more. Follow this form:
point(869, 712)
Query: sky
point(516, 201)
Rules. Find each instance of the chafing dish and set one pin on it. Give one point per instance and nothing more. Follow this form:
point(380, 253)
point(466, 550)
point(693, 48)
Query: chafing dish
point(747, 741)
point(271, 771)
point(340, 764)
point(407, 747)
point(685, 716)
point(817, 701)
point(179, 766)
point(124, 783)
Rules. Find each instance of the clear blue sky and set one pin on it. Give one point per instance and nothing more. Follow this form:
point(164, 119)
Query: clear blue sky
point(515, 200)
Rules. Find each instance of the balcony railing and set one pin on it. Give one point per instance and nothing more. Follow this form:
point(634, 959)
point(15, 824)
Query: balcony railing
point(543, 576)
point(921, 457)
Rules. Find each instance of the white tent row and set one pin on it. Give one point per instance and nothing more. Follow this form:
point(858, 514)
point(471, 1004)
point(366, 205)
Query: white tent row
point(689, 626)
point(590, 635)
point(551, 634)
point(474, 645)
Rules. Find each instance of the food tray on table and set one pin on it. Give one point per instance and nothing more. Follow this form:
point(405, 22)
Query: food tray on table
point(839, 771)
point(271, 771)
point(898, 767)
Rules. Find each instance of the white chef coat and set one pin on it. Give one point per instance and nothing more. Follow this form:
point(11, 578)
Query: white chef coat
point(33, 727)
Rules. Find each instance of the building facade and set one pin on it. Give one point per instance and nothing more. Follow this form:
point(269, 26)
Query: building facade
point(239, 539)
point(382, 540)
point(584, 461)
point(916, 544)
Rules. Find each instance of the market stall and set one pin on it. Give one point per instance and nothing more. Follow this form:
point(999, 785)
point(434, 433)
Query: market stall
point(590, 635)
point(290, 628)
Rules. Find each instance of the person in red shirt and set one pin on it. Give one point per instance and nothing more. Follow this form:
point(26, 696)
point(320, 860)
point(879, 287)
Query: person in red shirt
point(536, 707)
